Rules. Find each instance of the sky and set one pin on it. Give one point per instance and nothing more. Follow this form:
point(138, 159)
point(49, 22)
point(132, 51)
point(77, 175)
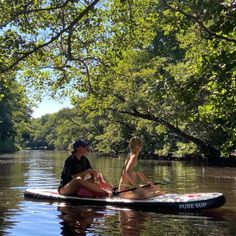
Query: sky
point(49, 106)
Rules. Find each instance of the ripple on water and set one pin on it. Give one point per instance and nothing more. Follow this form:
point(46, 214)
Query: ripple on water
point(19, 216)
point(35, 219)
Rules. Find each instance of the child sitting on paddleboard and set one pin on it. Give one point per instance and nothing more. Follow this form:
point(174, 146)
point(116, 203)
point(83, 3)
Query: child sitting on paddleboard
point(79, 178)
point(131, 171)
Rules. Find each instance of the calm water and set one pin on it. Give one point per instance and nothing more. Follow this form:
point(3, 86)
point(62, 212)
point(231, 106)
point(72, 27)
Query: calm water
point(41, 169)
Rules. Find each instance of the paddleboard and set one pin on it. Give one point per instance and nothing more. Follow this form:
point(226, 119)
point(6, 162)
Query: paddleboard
point(166, 202)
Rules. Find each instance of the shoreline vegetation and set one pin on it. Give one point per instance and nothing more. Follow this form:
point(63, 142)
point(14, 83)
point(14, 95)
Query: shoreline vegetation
point(160, 70)
point(54, 132)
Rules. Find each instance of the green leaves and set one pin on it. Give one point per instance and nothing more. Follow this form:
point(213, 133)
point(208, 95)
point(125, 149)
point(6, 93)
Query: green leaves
point(14, 114)
point(170, 60)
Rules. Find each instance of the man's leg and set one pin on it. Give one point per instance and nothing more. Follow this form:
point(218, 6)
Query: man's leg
point(73, 186)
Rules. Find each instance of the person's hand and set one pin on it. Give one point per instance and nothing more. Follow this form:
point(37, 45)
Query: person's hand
point(93, 172)
point(150, 183)
point(137, 186)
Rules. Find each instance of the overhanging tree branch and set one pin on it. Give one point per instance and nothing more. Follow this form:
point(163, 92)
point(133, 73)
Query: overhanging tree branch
point(83, 61)
point(206, 148)
point(70, 26)
point(200, 23)
point(25, 11)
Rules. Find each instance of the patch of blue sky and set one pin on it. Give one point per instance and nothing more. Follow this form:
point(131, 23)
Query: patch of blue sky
point(49, 106)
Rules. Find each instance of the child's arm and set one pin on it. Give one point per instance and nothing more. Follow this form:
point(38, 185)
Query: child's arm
point(143, 178)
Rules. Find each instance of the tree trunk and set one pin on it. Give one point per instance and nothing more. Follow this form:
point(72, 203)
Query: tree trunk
point(209, 151)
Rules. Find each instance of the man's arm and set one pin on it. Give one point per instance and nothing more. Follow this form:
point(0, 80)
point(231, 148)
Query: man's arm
point(83, 174)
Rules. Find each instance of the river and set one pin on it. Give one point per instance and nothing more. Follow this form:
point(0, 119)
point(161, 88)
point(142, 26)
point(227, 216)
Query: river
point(41, 169)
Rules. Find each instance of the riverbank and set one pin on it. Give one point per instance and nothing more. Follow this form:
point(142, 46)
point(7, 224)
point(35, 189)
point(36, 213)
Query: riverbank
point(222, 161)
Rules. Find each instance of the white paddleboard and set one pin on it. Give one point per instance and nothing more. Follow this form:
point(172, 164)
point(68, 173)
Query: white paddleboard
point(168, 202)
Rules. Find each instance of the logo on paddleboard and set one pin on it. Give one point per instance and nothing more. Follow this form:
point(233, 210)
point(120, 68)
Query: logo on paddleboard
point(192, 205)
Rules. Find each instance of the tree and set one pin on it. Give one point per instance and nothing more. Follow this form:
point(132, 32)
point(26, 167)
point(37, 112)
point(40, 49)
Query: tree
point(14, 115)
point(169, 62)
point(174, 88)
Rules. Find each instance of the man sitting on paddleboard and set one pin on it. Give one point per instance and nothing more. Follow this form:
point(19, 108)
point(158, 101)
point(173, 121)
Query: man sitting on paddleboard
point(79, 178)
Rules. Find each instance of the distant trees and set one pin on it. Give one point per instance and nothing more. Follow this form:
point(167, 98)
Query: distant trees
point(158, 68)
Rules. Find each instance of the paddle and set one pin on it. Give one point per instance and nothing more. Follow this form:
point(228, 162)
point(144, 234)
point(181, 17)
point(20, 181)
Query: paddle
point(132, 189)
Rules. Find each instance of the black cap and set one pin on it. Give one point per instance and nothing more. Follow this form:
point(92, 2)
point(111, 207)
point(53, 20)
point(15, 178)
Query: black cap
point(79, 143)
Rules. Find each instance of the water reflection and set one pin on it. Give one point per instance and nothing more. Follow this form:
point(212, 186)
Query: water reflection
point(42, 169)
point(87, 220)
point(131, 222)
point(11, 169)
point(82, 220)
point(77, 220)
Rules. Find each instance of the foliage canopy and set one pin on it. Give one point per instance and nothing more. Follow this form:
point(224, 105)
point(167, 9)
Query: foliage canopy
point(154, 63)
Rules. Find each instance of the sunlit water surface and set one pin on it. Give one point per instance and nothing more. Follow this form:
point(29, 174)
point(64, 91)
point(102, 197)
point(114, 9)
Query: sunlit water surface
point(41, 169)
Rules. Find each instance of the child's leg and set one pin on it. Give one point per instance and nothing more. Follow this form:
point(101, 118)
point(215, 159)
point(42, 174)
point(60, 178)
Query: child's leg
point(134, 195)
point(154, 191)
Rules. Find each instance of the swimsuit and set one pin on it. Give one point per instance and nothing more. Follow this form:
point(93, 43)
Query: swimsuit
point(137, 168)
